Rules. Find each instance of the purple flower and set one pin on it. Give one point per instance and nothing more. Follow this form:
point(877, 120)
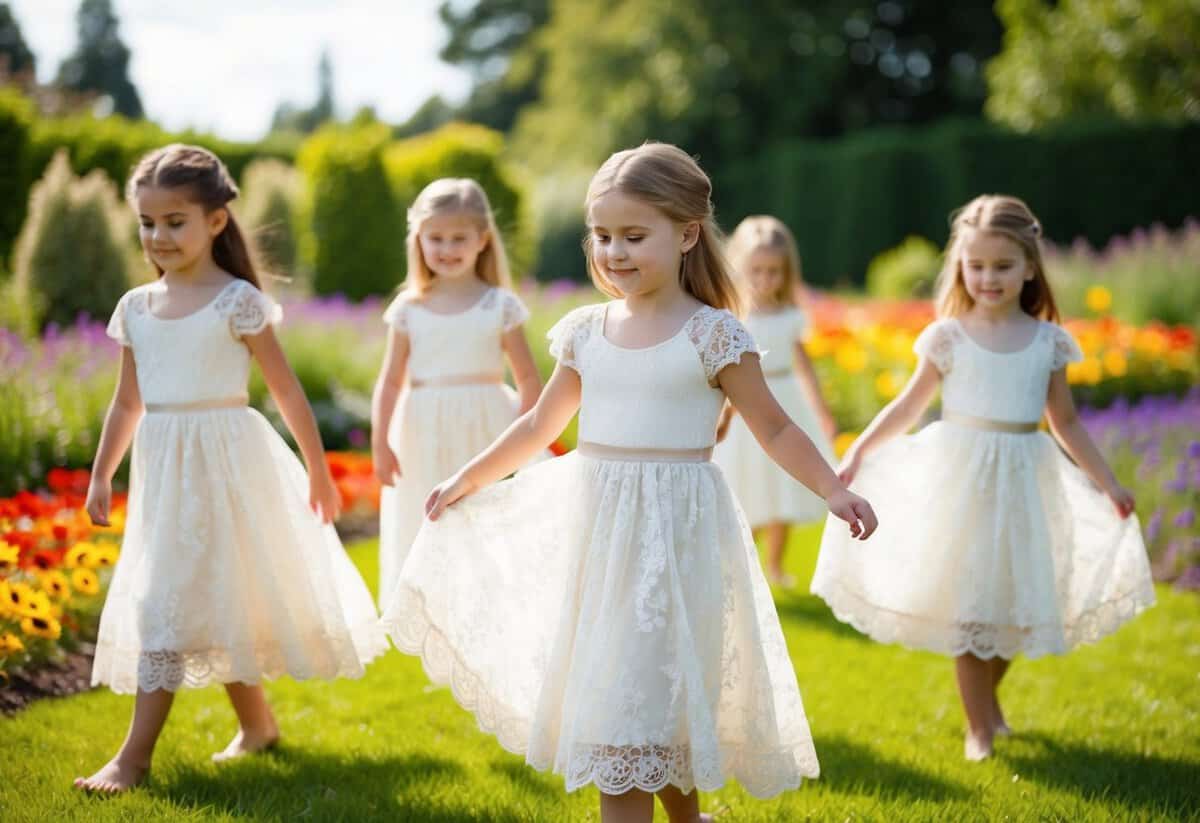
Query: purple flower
point(1185, 519)
point(1193, 450)
point(1154, 526)
point(357, 438)
point(1190, 579)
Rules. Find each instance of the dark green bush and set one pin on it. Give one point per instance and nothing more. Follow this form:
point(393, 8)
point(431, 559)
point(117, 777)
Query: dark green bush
point(16, 122)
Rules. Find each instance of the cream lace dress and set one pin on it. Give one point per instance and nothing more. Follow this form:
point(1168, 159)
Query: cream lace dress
point(769, 494)
point(604, 613)
point(454, 405)
point(991, 541)
point(225, 574)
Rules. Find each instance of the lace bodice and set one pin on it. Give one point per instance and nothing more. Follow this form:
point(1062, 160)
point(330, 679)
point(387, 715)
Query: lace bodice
point(199, 356)
point(657, 397)
point(1005, 386)
point(776, 334)
point(465, 342)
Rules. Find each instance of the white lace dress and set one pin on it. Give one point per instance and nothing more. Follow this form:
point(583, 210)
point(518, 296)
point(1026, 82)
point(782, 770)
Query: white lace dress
point(455, 403)
point(604, 613)
point(225, 574)
point(990, 542)
point(769, 494)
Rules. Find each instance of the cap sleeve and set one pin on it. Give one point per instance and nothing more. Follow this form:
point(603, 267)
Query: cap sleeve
point(247, 309)
point(569, 334)
point(116, 325)
point(935, 343)
point(1066, 350)
point(513, 312)
point(720, 340)
point(395, 314)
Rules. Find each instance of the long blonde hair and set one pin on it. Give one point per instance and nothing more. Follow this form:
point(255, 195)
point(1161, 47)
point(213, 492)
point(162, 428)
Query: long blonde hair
point(461, 196)
point(1009, 217)
point(668, 179)
point(762, 232)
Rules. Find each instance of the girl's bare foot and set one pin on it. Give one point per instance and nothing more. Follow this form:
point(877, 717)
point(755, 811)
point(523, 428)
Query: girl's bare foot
point(114, 777)
point(247, 742)
point(976, 748)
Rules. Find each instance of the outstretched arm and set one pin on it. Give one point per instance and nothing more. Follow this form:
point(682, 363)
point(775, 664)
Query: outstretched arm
point(529, 434)
point(896, 417)
point(120, 423)
point(297, 414)
point(1067, 427)
point(790, 447)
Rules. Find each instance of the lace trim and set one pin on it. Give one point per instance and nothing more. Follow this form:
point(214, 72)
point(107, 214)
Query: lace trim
point(1066, 350)
point(395, 315)
point(936, 344)
point(247, 309)
point(984, 640)
point(133, 301)
point(763, 772)
point(568, 335)
point(513, 312)
point(719, 339)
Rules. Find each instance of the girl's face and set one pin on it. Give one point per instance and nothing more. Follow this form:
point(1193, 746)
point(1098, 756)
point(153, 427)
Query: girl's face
point(176, 233)
point(765, 271)
point(636, 246)
point(450, 244)
point(994, 269)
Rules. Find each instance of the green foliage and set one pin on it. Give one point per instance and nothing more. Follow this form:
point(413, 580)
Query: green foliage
point(851, 199)
point(16, 122)
point(72, 255)
point(100, 62)
point(353, 236)
point(460, 150)
point(268, 211)
point(1088, 58)
point(907, 271)
point(16, 59)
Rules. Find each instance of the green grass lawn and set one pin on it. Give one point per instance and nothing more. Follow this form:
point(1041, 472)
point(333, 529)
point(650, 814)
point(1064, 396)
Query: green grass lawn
point(1109, 732)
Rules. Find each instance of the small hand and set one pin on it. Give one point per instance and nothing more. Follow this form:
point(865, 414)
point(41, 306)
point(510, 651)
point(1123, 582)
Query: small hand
point(99, 501)
point(856, 511)
point(851, 463)
point(323, 496)
point(387, 467)
point(1122, 499)
point(446, 494)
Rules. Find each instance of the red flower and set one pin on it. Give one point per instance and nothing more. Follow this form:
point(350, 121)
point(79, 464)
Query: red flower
point(46, 559)
point(558, 449)
point(61, 532)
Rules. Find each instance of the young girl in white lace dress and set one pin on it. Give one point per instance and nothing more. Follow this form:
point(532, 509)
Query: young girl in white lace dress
point(604, 613)
point(993, 542)
point(441, 397)
point(764, 257)
point(230, 570)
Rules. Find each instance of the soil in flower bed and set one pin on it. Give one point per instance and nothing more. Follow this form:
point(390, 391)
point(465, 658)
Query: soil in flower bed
point(63, 678)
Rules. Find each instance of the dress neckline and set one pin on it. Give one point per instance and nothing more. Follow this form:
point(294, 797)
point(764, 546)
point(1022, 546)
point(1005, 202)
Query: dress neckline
point(652, 346)
point(191, 314)
point(467, 310)
point(1036, 332)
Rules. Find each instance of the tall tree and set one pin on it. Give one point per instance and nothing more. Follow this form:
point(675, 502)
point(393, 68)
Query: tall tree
point(100, 62)
point(16, 58)
point(290, 117)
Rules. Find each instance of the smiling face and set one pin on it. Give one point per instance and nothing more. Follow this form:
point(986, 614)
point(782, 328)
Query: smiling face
point(175, 232)
point(634, 246)
point(450, 244)
point(765, 271)
point(994, 269)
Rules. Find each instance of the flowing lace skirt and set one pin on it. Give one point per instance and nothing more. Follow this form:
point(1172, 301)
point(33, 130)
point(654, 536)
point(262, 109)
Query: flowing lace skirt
point(989, 543)
point(766, 492)
point(608, 619)
point(225, 574)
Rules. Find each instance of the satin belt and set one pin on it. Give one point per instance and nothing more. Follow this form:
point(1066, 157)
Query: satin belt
point(456, 380)
point(987, 425)
point(782, 372)
point(199, 405)
point(602, 452)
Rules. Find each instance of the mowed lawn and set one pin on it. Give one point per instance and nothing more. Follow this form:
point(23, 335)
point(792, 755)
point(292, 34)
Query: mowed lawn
point(1109, 732)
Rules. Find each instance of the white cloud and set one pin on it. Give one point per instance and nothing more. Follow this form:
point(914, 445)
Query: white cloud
point(224, 65)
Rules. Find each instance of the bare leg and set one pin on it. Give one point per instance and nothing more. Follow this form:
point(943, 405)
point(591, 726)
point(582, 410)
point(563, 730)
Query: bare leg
point(257, 729)
point(131, 762)
point(682, 808)
point(999, 667)
point(776, 538)
point(975, 689)
point(634, 806)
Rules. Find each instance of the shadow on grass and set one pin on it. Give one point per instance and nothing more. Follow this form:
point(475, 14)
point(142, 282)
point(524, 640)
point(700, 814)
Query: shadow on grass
point(811, 611)
point(851, 768)
point(291, 784)
point(1133, 780)
point(529, 779)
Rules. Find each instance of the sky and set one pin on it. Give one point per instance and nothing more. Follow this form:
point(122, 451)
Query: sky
point(223, 66)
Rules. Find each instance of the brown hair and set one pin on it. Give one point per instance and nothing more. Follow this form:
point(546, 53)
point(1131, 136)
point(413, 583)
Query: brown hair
point(665, 177)
point(462, 196)
point(1009, 217)
point(765, 233)
point(208, 183)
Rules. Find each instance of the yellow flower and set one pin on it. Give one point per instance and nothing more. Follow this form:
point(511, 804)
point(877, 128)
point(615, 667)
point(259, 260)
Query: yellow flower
point(10, 644)
point(851, 358)
point(79, 555)
point(1115, 363)
point(6, 601)
point(818, 346)
point(37, 604)
point(56, 584)
point(17, 598)
point(9, 556)
point(85, 581)
point(104, 555)
point(843, 442)
point(1088, 371)
point(46, 627)
point(886, 385)
point(1098, 299)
